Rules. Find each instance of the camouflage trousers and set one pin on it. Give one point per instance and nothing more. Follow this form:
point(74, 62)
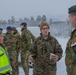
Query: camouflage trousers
point(42, 70)
point(17, 63)
point(71, 70)
point(24, 61)
point(13, 56)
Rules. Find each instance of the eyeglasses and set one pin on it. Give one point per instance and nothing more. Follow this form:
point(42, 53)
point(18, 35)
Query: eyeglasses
point(45, 28)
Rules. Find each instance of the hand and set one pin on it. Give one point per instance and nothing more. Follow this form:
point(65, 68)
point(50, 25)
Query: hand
point(55, 57)
point(31, 59)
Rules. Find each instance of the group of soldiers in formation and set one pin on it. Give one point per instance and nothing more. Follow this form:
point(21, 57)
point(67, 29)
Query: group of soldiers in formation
point(43, 51)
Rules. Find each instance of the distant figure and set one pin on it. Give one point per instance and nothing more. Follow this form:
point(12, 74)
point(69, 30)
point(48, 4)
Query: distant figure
point(1, 29)
point(11, 44)
point(5, 66)
point(27, 38)
point(18, 48)
point(70, 58)
point(45, 52)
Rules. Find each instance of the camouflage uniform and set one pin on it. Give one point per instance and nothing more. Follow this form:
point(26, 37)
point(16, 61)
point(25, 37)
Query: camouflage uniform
point(17, 35)
point(70, 59)
point(41, 50)
point(11, 44)
point(26, 44)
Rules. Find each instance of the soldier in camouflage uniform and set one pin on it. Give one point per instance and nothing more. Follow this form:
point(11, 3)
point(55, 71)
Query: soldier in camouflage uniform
point(45, 52)
point(17, 35)
point(11, 44)
point(70, 58)
point(27, 38)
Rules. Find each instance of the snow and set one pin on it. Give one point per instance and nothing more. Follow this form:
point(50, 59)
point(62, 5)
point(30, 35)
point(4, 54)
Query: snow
point(61, 68)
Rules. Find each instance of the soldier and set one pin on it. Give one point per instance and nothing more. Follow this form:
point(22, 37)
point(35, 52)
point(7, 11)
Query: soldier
point(70, 58)
point(27, 38)
point(17, 35)
point(11, 44)
point(5, 66)
point(45, 52)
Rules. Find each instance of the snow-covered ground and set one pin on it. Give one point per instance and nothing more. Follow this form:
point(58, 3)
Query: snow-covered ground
point(61, 68)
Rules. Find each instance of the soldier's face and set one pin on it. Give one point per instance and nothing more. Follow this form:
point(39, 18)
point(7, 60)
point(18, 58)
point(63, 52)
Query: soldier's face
point(72, 19)
point(12, 31)
point(21, 26)
point(45, 30)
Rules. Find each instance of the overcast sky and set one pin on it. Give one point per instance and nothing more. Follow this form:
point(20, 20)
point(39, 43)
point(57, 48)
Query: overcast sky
point(28, 8)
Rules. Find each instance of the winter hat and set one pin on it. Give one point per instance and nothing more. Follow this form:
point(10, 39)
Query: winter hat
point(43, 24)
point(72, 9)
point(9, 28)
point(24, 24)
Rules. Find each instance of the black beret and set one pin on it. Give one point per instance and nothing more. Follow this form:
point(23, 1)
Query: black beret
point(72, 9)
point(9, 28)
point(1, 29)
point(24, 23)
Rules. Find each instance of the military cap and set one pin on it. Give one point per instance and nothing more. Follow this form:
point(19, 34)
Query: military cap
point(43, 24)
point(9, 28)
point(72, 9)
point(24, 24)
point(1, 29)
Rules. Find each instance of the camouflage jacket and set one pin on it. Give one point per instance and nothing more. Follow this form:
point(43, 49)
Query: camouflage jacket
point(42, 48)
point(10, 41)
point(32, 36)
point(18, 37)
point(70, 57)
point(26, 37)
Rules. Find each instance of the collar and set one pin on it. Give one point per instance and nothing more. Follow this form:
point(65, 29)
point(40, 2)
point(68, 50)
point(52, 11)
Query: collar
point(15, 32)
point(73, 33)
point(24, 28)
point(2, 45)
point(48, 38)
